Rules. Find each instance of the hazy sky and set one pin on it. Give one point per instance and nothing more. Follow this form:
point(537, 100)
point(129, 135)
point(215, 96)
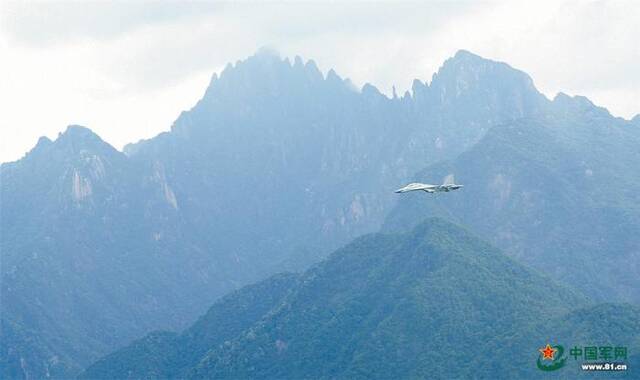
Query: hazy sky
point(126, 69)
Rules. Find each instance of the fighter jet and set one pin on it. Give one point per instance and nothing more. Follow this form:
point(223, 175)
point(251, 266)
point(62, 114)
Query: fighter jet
point(447, 185)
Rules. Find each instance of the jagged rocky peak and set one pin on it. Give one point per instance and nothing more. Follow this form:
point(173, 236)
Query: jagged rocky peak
point(85, 154)
point(262, 84)
point(76, 166)
point(74, 141)
point(578, 105)
point(419, 89)
point(466, 73)
point(43, 144)
point(88, 158)
point(370, 90)
point(481, 86)
point(266, 73)
point(77, 138)
point(567, 100)
point(472, 66)
point(75, 130)
point(43, 141)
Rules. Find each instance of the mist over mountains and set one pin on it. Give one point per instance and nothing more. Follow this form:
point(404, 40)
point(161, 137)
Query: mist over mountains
point(277, 166)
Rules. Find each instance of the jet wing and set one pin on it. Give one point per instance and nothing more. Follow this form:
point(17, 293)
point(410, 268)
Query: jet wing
point(416, 187)
point(429, 190)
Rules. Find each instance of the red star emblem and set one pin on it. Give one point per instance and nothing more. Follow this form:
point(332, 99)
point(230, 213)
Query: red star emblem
point(547, 352)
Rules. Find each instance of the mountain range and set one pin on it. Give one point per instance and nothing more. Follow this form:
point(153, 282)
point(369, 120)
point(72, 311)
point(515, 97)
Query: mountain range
point(559, 193)
point(435, 302)
point(274, 168)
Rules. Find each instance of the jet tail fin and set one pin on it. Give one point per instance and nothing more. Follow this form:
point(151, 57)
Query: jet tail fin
point(448, 180)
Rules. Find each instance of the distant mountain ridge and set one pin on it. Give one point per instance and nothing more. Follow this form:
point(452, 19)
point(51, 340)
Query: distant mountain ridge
point(557, 192)
point(273, 168)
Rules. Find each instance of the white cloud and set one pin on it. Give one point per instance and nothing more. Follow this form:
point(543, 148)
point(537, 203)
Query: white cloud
point(126, 70)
